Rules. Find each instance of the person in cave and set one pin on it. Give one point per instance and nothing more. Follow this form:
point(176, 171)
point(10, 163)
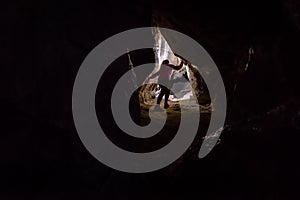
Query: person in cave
point(164, 80)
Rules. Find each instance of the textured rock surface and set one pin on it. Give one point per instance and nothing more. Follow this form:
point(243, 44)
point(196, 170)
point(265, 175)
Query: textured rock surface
point(43, 44)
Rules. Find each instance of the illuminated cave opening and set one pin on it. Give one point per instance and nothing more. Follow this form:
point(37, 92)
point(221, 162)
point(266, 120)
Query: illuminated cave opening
point(188, 84)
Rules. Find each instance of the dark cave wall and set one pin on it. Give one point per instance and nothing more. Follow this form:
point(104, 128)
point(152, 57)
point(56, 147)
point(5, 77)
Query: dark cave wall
point(259, 141)
point(43, 44)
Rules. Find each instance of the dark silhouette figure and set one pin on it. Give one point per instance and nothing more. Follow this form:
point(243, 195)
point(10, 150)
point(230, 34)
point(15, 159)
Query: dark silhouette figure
point(164, 80)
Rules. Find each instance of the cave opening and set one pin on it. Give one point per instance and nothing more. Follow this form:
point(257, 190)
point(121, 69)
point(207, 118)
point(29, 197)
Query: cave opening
point(187, 83)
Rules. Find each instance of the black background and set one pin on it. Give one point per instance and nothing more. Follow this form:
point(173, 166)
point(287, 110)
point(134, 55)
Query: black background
point(42, 46)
